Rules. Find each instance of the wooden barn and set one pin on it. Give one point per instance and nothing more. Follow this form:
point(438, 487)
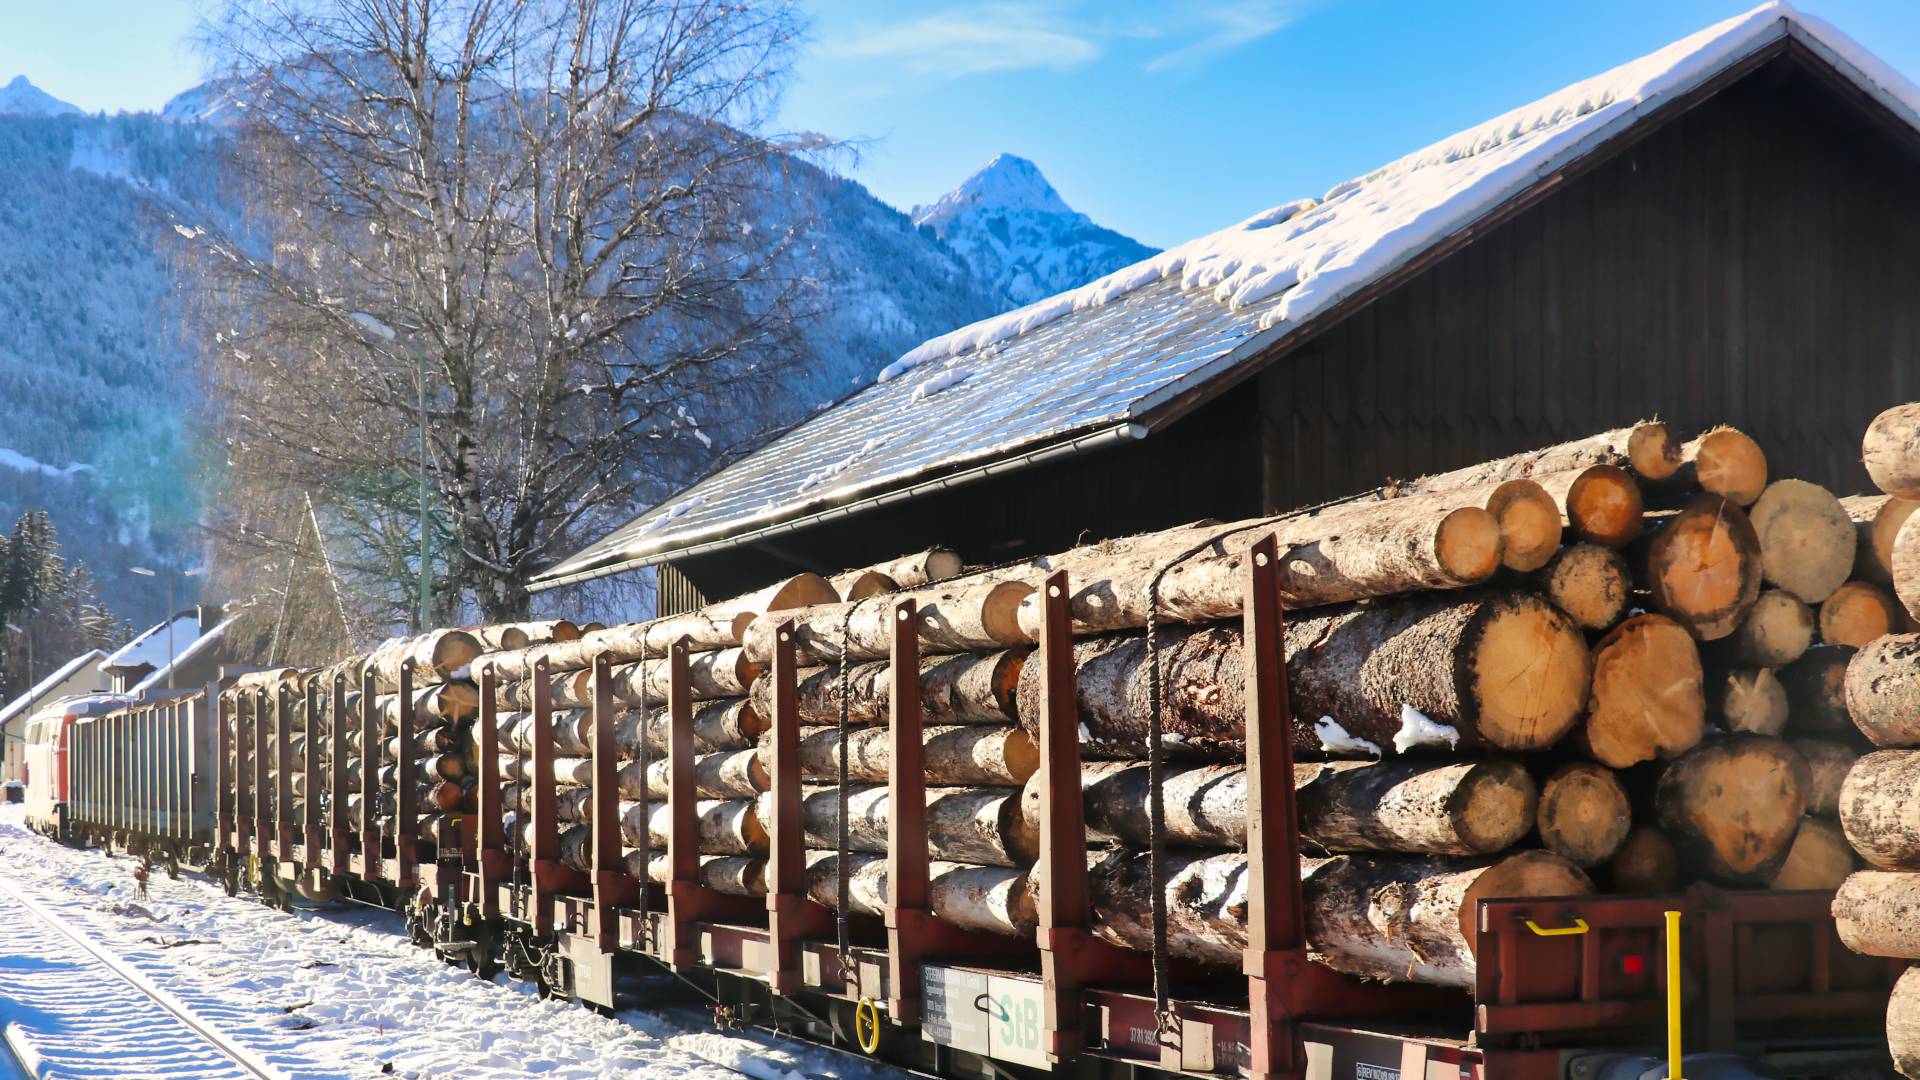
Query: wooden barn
point(1727, 230)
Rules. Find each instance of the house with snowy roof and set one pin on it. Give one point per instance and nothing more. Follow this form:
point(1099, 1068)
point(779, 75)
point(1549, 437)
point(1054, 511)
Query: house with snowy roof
point(1725, 230)
point(80, 675)
point(180, 655)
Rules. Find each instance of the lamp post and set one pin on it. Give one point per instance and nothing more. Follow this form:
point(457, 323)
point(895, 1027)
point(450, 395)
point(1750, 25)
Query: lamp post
point(144, 572)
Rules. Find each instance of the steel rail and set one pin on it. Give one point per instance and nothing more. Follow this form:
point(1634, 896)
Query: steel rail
point(244, 1058)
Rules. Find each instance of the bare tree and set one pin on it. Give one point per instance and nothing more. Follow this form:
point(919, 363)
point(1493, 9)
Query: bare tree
point(531, 228)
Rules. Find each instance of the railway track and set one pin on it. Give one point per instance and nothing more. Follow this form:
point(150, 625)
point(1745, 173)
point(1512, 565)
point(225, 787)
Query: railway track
point(72, 1008)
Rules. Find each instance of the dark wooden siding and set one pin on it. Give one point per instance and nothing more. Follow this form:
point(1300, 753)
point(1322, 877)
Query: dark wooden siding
point(1754, 262)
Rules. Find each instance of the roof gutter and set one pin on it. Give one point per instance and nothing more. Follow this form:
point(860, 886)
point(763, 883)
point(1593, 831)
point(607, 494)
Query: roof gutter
point(1119, 433)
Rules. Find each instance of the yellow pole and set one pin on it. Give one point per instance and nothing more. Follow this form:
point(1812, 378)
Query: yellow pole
point(1673, 995)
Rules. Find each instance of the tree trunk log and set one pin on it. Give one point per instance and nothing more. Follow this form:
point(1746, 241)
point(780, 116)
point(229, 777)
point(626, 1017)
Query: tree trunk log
point(1880, 808)
point(1395, 918)
point(1891, 450)
point(1731, 807)
point(966, 688)
point(1702, 566)
point(1776, 631)
point(1591, 583)
point(501, 637)
point(1646, 863)
point(1751, 700)
point(1648, 448)
point(1860, 613)
point(960, 616)
point(1417, 807)
point(1647, 700)
point(963, 756)
point(1816, 686)
point(719, 724)
point(906, 572)
point(1903, 1024)
point(1806, 539)
point(572, 732)
point(992, 899)
point(1584, 814)
point(983, 826)
point(1529, 518)
point(1877, 913)
point(1601, 504)
point(732, 875)
point(1723, 462)
point(1877, 520)
point(728, 774)
point(436, 655)
point(1502, 669)
point(1827, 766)
point(1905, 560)
point(1350, 551)
point(1818, 860)
point(723, 673)
point(722, 827)
point(1883, 690)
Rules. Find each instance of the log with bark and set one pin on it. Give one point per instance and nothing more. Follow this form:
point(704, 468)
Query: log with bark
point(1647, 448)
point(1418, 807)
point(983, 826)
point(1601, 504)
point(1882, 690)
point(1816, 686)
point(1646, 863)
point(1499, 669)
point(500, 637)
point(1818, 860)
point(906, 572)
point(1905, 560)
point(1859, 613)
point(1589, 582)
point(731, 875)
point(721, 673)
point(1877, 520)
point(958, 616)
point(965, 688)
point(992, 899)
point(1877, 913)
point(726, 774)
point(567, 771)
point(1777, 630)
point(1584, 815)
point(1349, 551)
point(1647, 698)
point(1390, 917)
point(1528, 517)
point(1731, 807)
point(1891, 450)
point(1701, 565)
point(1903, 1024)
point(436, 655)
point(1806, 539)
point(1880, 808)
point(965, 755)
point(1724, 462)
point(720, 724)
point(1751, 700)
point(722, 826)
point(572, 732)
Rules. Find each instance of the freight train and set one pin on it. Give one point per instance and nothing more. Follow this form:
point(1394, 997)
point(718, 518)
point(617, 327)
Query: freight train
point(602, 813)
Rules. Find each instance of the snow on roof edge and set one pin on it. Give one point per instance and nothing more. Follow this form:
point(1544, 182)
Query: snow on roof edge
point(159, 673)
point(40, 689)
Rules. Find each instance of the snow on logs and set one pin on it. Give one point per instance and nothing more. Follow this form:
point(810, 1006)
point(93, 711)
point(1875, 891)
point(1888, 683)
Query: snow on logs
point(1390, 917)
point(1497, 669)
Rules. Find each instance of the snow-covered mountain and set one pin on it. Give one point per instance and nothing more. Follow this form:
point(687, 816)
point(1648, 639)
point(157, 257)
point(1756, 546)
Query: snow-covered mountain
point(22, 98)
point(1015, 231)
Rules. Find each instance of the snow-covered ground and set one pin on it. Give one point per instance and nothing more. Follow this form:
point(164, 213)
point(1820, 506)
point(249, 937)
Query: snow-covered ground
point(333, 993)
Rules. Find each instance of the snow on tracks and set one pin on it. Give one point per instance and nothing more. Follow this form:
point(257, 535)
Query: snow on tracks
point(342, 993)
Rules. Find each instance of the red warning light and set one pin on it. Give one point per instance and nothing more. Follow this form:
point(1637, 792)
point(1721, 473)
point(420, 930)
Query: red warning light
point(1633, 965)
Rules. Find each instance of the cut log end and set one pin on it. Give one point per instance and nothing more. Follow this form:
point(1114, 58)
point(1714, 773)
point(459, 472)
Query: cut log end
point(1752, 700)
point(1806, 539)
point(1776, 631)
point(1646, 863)
point(1529, 523)
point(1891, 450)
point(1584, 815)
point(1467, 543)
point(1703, 567)
point(1591, 583)
point(1492, 807)
point(1859, 612)
point(1604, 506)
point(1819, 858)
point(1647, 699)
point(1524, 873)
point(1653, 450)
point(1728, 463)
point(1530, 675)
point(1731, 807)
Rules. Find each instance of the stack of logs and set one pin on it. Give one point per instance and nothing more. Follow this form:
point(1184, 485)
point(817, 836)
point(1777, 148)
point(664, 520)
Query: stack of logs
point(1877, 910)
point(1622, 657)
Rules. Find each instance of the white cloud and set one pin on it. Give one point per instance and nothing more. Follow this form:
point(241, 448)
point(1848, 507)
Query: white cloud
point(993, 37)
point(1227, 25)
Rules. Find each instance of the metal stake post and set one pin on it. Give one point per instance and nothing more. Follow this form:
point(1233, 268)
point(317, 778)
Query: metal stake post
point(342, 861)
point(369, 780)
point(406, 799)
point(544, 856)
point(612, 887)
point(491, 860)
point(791, 914)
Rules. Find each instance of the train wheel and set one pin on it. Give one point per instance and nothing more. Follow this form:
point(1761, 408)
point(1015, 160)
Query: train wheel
point(484, 958)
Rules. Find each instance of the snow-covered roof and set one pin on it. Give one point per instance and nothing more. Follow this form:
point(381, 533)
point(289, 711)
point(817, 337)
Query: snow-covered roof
point(150, 649)
point(41, 689)
point(1101, 358)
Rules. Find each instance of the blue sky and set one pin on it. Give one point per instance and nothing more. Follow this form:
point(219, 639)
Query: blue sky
point(1161, 119)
